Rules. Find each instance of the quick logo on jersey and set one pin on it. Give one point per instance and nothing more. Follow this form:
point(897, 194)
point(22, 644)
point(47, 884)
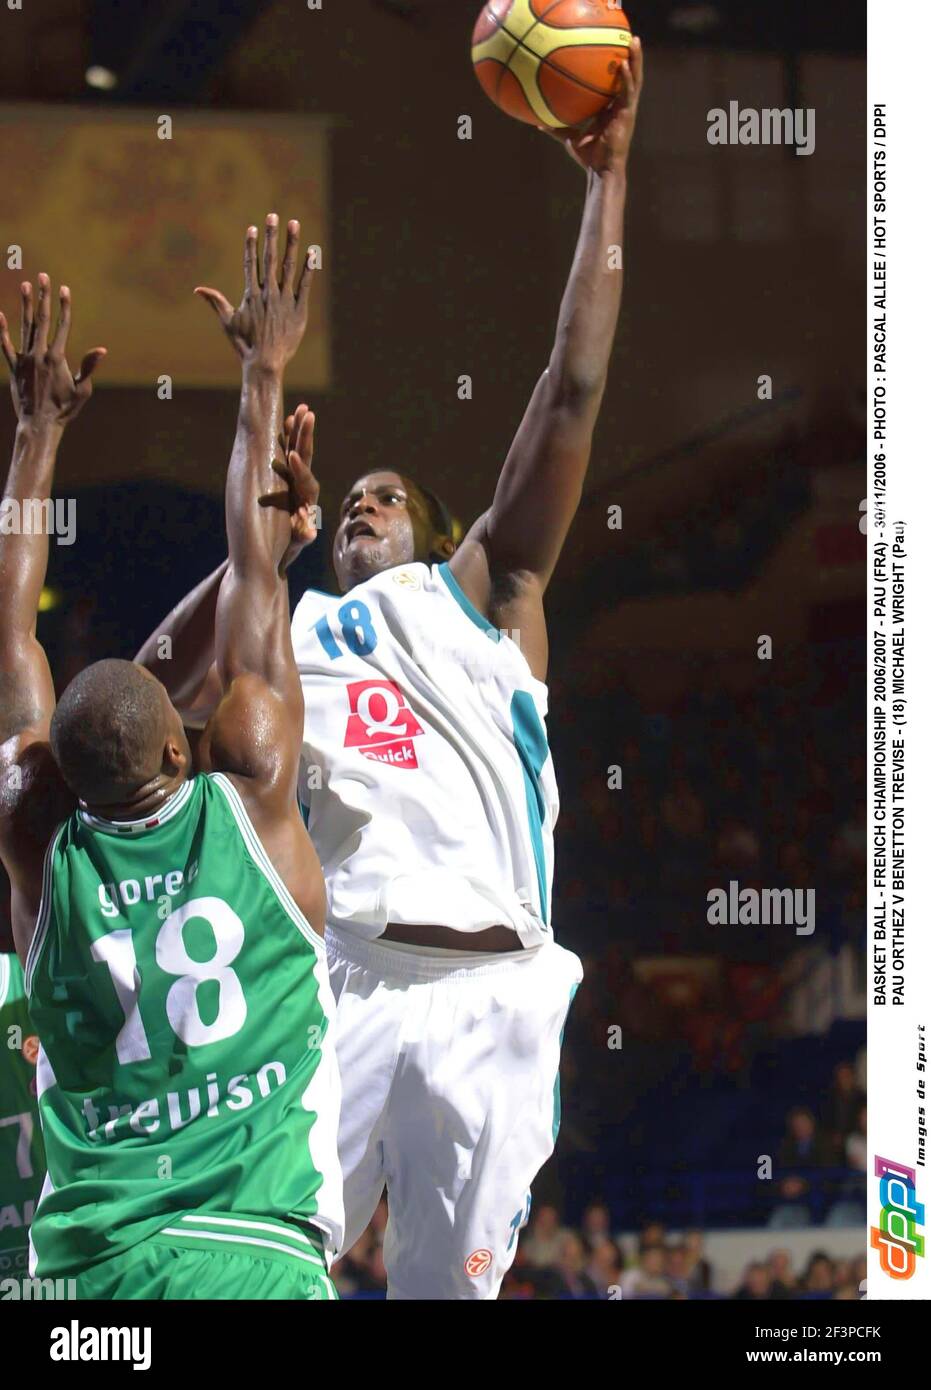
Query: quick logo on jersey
point(380, 723)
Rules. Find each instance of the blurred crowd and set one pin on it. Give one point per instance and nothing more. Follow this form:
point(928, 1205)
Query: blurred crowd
point(555, 1261)
point(766, 786)
point(835, 1139)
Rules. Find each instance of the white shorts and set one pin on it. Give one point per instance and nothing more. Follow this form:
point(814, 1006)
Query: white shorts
point(450, 1082)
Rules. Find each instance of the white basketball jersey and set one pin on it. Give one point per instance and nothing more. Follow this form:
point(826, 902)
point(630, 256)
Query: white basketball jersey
point(427, 782)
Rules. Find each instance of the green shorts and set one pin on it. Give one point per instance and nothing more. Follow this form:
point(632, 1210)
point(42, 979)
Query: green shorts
point(204, 1257)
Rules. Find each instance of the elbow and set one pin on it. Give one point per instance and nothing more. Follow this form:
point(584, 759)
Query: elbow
point(575, 390)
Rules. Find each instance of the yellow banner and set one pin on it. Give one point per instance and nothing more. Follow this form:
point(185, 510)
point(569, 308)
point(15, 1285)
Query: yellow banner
point(132, 209)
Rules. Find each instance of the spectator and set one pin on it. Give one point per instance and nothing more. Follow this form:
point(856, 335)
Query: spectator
point(698, 1266)
point(543, 1242)
point(784, 1283)
point(678, 1271)
point(756, 1283)
point(596, 1224)
point(855, 1146)
point(653, 1233)
point(819, 1276)
point(571, 1267)
point(605, 1267)
point(648, 1278)
point(802, 1148)
point(525, 1281)
point(843, 1106)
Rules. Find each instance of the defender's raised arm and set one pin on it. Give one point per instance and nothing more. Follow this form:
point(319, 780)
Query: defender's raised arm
point(46, 395)
point(256, 730)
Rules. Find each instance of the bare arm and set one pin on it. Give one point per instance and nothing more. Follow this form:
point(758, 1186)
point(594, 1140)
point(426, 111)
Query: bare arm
point(256, 730)
point(509, 555)
point(45, 397)
point(181, 652)
point(27, 693)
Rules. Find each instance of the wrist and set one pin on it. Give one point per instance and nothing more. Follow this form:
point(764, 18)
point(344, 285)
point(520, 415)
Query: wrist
point(39, 430)
point(614, 175)
point(259, 374)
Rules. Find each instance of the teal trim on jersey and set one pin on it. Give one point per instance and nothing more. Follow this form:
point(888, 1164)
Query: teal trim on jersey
point(532, 749)
point(466, 604)
point(557, 1099)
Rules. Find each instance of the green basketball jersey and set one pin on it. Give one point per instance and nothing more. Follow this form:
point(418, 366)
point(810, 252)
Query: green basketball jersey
point(187, 1074)
point(22, 1157)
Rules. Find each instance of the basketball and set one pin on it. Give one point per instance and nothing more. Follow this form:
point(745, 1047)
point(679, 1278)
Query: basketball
point(551, 62)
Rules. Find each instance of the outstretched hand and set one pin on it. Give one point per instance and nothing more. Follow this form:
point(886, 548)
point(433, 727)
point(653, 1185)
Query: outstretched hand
point(43, 387)
point(605, 144)
point(267, 328)
point(299, 500)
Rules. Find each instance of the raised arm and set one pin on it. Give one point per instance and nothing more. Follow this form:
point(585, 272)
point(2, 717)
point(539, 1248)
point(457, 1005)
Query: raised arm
point(256, 730)
point(509, 555)
point(181, 651)
point(45, 397)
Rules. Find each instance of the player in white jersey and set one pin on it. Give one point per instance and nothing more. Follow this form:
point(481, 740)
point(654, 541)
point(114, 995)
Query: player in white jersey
point(429, 793)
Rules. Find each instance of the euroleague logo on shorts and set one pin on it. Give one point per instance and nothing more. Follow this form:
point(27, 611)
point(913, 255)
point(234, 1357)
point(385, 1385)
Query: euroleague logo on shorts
point(478, 1263)
point(380, 724)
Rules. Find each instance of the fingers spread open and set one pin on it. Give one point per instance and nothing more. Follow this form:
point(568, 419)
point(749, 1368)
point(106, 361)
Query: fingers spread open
point(290, 258)
point(303, 284)
point(218, 302)
point(62, 328)
point(89, 362)
point(43, 314)
point(6, 344)
point(270, 267)
point(25, 341)
point(251, 273)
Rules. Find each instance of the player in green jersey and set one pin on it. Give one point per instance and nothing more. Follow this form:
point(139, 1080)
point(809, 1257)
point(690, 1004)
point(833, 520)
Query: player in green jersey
point(170, 923)
point(22, 1156)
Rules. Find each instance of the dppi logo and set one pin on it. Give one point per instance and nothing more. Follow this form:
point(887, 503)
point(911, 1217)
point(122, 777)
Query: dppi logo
point(896, 1237)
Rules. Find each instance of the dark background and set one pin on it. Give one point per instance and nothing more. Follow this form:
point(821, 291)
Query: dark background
point(740, 518)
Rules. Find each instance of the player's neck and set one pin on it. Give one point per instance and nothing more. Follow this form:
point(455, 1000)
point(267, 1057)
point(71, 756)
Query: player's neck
point(149, 800)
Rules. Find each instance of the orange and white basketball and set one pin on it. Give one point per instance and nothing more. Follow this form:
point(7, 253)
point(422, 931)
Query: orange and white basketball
point(551, 62)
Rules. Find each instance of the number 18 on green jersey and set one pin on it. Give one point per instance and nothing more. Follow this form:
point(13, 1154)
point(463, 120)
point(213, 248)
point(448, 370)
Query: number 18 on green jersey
point(187, 1072)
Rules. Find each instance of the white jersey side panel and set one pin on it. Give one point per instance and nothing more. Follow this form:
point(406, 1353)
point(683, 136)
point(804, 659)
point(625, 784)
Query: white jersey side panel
point(427, 781)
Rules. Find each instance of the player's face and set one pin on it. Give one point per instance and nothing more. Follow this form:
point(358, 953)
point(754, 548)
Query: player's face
point(383, 522)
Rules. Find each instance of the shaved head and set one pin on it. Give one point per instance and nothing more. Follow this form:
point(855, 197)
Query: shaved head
point(111, 730)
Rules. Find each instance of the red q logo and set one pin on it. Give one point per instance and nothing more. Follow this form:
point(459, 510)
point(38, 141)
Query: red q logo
point(380, 724)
